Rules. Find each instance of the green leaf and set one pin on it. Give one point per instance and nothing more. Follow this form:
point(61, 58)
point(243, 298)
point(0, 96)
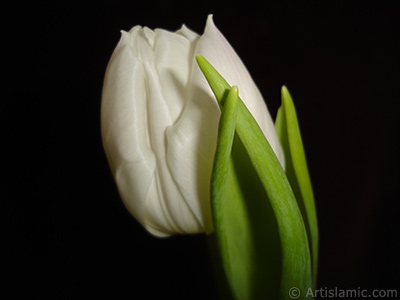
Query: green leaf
point(219, 186)
point(228, 206)
point(226, 132)
point(288, 131)
point(241, 214)
point(265, 241)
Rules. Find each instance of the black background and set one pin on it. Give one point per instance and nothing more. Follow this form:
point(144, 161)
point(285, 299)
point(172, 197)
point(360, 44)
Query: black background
point(66, 232)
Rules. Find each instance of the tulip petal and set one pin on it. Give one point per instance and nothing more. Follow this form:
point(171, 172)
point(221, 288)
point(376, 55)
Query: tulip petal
point(189, 34)
point(191, 145)
point(216, 49)
point(124, 129)
point(173, 56)
point(168, 78)
point(191, 142)
point(167, 210)
point(149, 36)
point(135, 116)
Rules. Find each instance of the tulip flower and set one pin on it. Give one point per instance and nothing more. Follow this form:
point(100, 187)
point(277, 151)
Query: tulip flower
point(189, 155)
point(159, 122)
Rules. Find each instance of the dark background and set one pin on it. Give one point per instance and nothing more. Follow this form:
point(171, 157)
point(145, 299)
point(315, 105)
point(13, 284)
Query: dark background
point(67, 234)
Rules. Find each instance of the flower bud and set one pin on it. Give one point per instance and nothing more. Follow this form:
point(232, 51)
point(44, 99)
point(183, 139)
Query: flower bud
point(159, 123)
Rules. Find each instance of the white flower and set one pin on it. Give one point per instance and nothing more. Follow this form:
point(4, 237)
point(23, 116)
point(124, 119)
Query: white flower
point(159, 123)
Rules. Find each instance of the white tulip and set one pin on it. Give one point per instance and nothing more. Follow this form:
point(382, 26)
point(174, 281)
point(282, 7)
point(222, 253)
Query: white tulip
point(159, 123)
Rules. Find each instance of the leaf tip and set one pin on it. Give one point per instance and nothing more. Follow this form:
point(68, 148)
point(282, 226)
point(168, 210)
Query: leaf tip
point(235, 90)
point(286, 97)
point(201, 61)
point(284, 91)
